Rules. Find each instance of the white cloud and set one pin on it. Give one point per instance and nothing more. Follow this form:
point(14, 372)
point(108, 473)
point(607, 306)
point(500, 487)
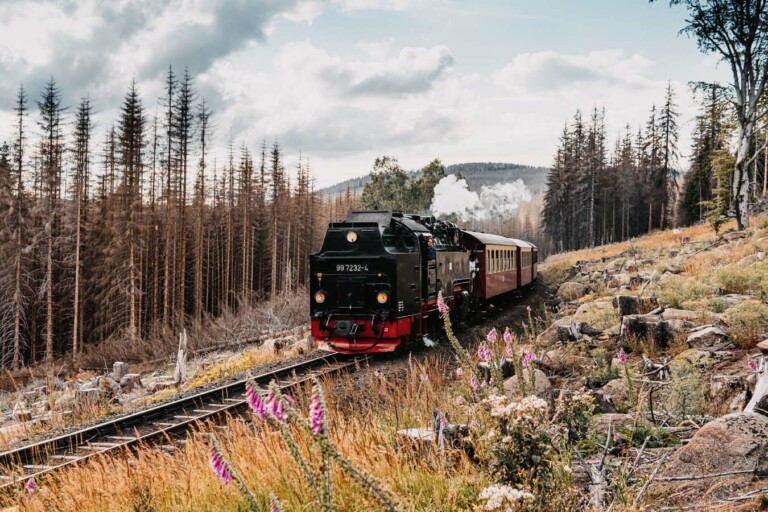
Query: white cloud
point(342, 107)
point(552, 70)
point(387, 5)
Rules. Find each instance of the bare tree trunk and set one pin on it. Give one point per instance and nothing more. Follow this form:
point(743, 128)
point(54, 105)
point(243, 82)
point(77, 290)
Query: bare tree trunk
point(49, 296)
point(17, 301)
point(200, 246)
point(740, 190)
point(131, 277)
point(765, 162)
point(76, 312)
point(273, 288)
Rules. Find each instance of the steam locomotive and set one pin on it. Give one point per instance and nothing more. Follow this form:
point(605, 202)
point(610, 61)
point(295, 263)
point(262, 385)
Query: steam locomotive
point(374, 283)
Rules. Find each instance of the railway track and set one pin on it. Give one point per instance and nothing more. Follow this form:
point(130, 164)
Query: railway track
point(155, 424)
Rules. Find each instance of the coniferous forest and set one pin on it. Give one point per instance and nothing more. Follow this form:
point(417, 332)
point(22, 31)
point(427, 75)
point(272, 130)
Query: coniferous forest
point(143, 231)
point(601, 193)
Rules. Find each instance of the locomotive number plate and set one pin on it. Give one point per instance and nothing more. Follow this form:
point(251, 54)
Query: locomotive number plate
point(351, 268)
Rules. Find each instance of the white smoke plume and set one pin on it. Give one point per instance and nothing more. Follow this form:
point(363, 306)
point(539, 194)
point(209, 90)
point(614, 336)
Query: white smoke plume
point(452, 196)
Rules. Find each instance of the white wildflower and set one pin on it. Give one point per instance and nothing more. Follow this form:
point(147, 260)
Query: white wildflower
point(505, 498)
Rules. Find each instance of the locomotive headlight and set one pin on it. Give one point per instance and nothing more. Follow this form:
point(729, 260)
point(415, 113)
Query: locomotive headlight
point(382, 297)
point(320, 297)
point(351, 237)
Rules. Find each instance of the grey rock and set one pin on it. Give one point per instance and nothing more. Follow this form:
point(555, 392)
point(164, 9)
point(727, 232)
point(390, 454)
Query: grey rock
point(542, 386)
point(131, 381)
point(735, 442)
point(706, 337)
point(571, 290)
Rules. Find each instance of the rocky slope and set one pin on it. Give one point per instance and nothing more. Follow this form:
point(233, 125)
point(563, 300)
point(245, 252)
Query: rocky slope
point(666, 332)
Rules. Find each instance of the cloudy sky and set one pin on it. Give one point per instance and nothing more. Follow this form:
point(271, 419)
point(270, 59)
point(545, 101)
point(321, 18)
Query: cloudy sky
point(344, 81)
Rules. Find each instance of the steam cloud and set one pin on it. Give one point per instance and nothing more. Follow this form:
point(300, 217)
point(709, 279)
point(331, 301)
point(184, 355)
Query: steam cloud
point(452, 196)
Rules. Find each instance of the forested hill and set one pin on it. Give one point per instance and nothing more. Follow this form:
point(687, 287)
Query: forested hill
point(477, 174)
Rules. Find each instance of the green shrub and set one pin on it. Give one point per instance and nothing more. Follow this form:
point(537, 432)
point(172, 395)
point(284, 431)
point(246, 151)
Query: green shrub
point(747, 321)
point(599, 317)
point(675, 290)
point(717, 305)
point(685, 392)
point(601, 371)
point(742, 279)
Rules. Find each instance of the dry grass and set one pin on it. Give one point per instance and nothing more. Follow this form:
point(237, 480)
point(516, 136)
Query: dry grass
point(220, 370)
point(362, 427)
point(557, 266)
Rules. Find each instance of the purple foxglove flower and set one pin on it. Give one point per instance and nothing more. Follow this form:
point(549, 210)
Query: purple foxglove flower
point(473, 382)
point(491, 336)
point(615, 437)
point(752, 365)
point(507, 336)
point(443, 422)
point(528, 358)
point(528, 308)
point(220, 467)
point(510, 352)
point(459, 400)
point(316, 414)
point(484, 384)
point(274, 505)
point(442, 307)
point(31, 486)
point(290, 399)
point(276, 409)
point(472, 424)
point(255, 402)
point(377, 374)
point(459, 371)
point(424, 377)
point(484, 353)
point(622, 356)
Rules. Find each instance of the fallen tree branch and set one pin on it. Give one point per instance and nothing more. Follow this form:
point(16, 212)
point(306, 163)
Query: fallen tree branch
point(650, 479)
point(704, 477)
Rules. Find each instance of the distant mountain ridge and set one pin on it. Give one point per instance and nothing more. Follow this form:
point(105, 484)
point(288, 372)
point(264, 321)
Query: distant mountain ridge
point(477, 174)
